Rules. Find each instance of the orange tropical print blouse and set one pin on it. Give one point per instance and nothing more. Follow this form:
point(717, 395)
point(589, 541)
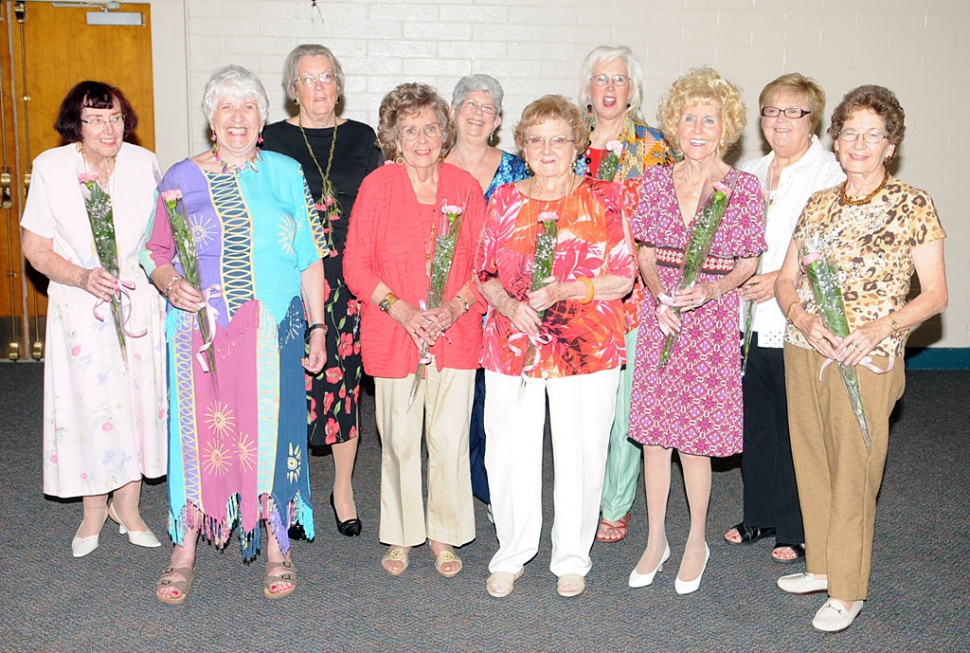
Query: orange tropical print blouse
point(575, 338)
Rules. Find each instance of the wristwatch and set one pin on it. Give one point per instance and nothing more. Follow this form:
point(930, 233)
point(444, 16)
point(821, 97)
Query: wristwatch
point(385, 304)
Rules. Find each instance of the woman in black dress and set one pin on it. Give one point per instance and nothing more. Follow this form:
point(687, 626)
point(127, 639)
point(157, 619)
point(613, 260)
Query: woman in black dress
point(336, 155)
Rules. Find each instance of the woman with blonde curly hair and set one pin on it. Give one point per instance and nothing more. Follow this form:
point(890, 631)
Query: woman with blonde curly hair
point(693, 403)
point(398, 221)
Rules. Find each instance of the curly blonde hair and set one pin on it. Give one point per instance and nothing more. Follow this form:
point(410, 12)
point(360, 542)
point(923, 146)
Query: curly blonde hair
point(703, 86)
point(551, 107)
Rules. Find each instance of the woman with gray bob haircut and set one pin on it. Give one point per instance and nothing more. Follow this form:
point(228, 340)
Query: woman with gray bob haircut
point(476, 111)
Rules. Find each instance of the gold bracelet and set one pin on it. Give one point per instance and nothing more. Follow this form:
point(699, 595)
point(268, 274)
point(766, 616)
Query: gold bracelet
point(788, 312)
point(465, 305)
point(590, 291)
point(895, 326)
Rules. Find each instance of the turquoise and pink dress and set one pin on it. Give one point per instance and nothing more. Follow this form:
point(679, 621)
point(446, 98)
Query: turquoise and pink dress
point(237, 435)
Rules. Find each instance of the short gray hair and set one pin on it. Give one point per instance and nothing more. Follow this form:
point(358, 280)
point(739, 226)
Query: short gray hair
point(235, 82)
point(606, 53)
point(293, 63)
point(473, 83)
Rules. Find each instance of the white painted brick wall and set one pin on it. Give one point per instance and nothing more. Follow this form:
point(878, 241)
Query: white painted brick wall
point(918, 49)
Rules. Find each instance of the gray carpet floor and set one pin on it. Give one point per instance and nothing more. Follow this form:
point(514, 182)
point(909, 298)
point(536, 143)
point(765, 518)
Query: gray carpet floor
point(919, 595)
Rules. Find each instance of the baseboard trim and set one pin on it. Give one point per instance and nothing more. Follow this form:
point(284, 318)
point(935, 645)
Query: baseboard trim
point(937, 358)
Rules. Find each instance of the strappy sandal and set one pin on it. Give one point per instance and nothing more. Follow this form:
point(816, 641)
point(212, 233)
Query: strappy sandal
point(181, 586)
point(501, 583)
point(749, 534)
point(571, 585)
point(619, 526)
point(444, 558)
point(799, 550)
point(271, 579)
point(396, 554)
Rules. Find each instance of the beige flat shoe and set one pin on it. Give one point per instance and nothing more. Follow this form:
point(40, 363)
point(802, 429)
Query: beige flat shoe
point(571, 585)
point(181, 586)
point(444, 558)
point(396, 554)
point(271, 579)
point(501, 583)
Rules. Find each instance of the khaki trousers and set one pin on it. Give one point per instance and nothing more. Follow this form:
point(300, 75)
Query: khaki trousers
point(838, 480)
point(441, 412)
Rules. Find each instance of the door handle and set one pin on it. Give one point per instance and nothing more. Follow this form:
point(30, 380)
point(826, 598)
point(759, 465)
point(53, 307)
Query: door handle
point(6, 181)
point(26, 183)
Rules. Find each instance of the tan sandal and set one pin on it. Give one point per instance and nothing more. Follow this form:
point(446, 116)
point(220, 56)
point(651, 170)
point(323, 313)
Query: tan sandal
point(181, 586)
point(444, 558)
point(396, 554)
point(571, 585)
point(501, 583)
point(271, 579)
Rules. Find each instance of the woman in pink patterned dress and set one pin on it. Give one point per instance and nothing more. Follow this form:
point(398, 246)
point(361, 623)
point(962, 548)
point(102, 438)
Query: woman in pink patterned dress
point(693, 404)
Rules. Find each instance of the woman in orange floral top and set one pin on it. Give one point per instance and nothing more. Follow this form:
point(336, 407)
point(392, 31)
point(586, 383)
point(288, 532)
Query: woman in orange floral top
point(876, 231)
point(560, 336)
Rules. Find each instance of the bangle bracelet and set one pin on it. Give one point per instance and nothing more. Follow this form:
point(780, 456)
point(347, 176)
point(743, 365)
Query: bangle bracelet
point(788, 312)
point(590, 291)
point(313, 327)
point(465, 306)
point(717, 284)
point(171, 282)
point(895, 326)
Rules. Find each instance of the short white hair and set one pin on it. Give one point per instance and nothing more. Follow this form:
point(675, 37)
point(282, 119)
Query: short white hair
point(235, 82)
point(634, 70)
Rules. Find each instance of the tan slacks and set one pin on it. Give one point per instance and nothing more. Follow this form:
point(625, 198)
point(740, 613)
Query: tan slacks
point(838, 479)
point(441, 412)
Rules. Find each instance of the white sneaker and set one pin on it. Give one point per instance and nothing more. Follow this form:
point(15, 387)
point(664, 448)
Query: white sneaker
point(833, 618)
point(803, 583)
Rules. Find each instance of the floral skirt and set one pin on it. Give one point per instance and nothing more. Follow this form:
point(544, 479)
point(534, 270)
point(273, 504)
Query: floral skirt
point(333, 395)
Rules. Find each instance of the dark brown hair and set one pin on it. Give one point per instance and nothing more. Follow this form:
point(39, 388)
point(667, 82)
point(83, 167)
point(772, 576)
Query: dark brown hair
point(880, 100)
point(92, 95)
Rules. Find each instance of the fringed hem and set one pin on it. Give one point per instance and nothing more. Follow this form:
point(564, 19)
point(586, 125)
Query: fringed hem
point(191, 517)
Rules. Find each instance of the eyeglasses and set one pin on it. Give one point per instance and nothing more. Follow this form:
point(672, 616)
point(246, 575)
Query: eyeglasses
point(871, 138)
point(604, 80)
point(793, 113)
point(326, 78)
point(538, 143)
point(411, 132)
point(98, 123)
point(471, 106)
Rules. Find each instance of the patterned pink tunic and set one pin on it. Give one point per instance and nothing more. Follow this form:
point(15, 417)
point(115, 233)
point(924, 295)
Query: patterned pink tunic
point(694, 403)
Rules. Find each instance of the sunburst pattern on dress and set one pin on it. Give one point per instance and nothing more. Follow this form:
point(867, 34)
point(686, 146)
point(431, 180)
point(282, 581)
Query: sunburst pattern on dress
point(216, 459)
point(202, 230)
point(293, 463)
point(220, 418)
point(246, 452)
point(287, 235)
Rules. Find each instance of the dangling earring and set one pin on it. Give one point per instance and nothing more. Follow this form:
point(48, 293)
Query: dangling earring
point(491, 138)
point(590, 118)
point(259, 141)
point(528, 169)
point(213, 138)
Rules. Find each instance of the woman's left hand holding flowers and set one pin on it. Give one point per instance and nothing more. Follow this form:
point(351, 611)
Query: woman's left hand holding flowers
point(696, 296)
point(860, 343)
point(542, 298)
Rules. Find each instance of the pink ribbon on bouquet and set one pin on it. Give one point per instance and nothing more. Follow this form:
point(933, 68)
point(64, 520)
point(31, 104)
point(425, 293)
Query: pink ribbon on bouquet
point(123, 287)
point(211, 314)
point(865, 362)
point(541, 339)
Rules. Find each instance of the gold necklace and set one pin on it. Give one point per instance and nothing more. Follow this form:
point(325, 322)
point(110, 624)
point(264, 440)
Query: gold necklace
point(863, 200)
point(327, 205)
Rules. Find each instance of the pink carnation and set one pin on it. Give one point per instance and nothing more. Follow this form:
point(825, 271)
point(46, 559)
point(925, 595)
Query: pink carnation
point(616, 147)
point(724, 189)
point(171, 195)
point(87, 177)
point(450, 209)
point(808, 259)
point(548, 216)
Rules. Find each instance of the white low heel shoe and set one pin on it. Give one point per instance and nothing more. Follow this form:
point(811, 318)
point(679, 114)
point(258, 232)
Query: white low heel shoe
point(144, 538)
point(688, 586)
point(642, 580)
point(81, 546)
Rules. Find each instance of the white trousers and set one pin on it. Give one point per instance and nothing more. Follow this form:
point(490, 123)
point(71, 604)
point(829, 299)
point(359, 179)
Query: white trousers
point(581, 411)
point(442, 412)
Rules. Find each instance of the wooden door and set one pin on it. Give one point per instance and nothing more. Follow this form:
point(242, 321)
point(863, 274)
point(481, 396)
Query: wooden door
point(44, 51)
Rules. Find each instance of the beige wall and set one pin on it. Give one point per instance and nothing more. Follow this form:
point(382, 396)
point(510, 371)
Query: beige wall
point(920, 50)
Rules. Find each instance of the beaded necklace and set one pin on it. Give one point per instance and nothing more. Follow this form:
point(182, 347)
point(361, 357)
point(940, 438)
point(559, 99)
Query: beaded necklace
point(862, 200)
point(327, 205)
point(232, 167)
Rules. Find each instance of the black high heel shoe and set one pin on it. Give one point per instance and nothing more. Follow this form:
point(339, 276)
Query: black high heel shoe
point(351, 527)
